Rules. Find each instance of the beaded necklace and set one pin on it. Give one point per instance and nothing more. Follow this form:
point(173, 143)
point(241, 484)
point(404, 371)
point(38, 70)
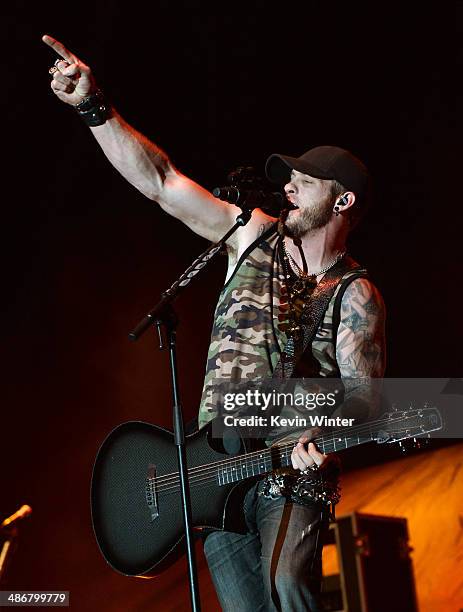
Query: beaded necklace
point(297, 290)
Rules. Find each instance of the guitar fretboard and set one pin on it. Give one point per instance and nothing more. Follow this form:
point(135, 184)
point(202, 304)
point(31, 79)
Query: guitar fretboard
point(279, 455)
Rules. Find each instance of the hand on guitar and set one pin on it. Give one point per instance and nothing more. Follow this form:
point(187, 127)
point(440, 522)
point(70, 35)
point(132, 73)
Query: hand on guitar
point(306, 455)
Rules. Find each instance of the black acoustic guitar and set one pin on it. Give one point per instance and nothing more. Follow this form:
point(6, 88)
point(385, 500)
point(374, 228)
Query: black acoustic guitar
point(135, 494)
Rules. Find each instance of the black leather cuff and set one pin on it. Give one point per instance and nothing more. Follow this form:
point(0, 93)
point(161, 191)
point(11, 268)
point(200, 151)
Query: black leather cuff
point(94, 109)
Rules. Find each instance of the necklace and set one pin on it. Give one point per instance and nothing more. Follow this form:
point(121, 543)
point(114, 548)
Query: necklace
point(296, 295)
point(301, 273)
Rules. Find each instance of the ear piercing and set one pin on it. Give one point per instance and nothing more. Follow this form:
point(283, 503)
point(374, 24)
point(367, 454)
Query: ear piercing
point(344, 201)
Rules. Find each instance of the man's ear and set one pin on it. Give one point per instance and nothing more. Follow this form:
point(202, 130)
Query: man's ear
point(345, 201)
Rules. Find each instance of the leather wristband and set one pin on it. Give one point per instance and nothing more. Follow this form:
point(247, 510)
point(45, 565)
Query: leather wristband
point(94, 109)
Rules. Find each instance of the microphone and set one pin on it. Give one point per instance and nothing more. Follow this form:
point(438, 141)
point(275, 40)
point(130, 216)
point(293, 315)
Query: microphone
point(248, 199)
point(22, 513)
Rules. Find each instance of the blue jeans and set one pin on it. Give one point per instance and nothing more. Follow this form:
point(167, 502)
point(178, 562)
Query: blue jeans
point(276, 565)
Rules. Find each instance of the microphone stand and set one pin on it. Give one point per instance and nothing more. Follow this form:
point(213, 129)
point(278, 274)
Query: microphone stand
point(164, 318)
point(9, 535)
point(7, 548)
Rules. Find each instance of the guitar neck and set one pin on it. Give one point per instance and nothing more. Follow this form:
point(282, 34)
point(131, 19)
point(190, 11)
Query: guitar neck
point(262, 462)
point(391, 427)
point(343, 439)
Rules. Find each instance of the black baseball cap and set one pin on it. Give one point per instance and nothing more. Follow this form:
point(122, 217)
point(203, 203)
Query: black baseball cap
point(323, 162)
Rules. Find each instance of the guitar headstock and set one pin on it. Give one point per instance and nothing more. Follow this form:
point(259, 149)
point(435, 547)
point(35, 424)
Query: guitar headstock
point(412, 422)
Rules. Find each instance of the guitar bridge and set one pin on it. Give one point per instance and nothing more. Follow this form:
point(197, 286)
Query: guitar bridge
point(151, 493)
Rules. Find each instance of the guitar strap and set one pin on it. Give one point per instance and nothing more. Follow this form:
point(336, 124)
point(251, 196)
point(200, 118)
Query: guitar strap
point(316, 308)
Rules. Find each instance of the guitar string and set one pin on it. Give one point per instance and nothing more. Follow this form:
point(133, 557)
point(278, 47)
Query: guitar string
point(258, 460)
point(207, 479)
point(213, 477)
point(251, 459)
point(238, 461)
point(320, 441)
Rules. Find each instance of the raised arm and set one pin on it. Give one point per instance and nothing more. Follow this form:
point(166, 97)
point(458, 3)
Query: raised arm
point(143, 163)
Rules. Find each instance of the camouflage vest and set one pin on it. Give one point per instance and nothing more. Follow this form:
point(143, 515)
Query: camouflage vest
point(246, 342)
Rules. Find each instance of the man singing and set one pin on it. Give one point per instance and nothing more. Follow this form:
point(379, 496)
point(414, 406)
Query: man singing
point(294, 304)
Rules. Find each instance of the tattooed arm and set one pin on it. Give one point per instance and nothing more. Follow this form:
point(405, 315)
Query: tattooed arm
point(361, 355)
point(361, 350)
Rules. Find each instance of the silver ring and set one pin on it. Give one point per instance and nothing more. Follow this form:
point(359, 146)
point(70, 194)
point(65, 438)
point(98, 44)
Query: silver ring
point(60, 59)
point(52, 70)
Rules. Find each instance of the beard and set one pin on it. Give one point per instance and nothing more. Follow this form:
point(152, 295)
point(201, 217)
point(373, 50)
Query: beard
point(308, 220)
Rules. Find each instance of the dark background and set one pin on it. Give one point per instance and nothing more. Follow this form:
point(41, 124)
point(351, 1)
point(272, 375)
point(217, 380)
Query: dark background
point(86, 255)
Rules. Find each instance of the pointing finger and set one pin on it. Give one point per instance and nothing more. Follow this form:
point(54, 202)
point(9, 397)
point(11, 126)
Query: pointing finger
point(59, 48)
